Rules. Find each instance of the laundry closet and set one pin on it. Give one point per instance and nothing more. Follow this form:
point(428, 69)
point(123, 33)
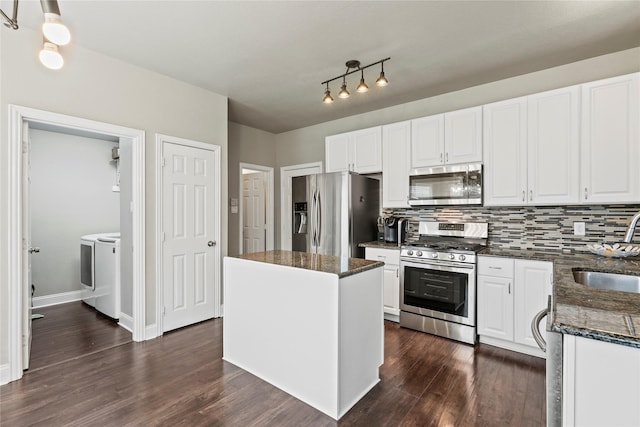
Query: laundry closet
point(78, 222)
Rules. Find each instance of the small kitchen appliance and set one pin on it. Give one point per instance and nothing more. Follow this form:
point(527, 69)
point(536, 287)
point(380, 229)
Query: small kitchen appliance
point(446, 185)
point(438, 279)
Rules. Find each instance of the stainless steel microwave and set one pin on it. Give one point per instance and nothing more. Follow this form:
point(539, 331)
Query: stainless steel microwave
point(446, 185)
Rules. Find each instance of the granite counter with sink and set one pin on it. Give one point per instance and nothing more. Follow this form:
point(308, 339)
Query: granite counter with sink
point(601, 314)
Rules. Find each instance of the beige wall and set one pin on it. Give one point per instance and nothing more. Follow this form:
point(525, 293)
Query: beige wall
point(98, 87)
point(246, 145)
point(307, 144)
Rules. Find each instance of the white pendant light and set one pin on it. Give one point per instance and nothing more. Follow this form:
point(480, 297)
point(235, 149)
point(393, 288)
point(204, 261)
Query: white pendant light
point(54, 30)
point(50, 57)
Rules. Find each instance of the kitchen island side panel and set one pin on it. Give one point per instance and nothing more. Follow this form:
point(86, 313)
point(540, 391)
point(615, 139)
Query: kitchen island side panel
point(281, 324)
point(361, 335)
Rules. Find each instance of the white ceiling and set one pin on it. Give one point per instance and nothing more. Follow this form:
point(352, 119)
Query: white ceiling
point(270, 57)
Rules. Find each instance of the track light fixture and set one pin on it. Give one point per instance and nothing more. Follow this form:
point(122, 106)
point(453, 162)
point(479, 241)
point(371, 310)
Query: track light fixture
point(353, 66)
point(55, 32)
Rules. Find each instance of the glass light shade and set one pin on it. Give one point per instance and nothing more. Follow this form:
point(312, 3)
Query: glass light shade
point(382, 80)
point(327, 99)
point(50, 57)
point(362, 87)
point(344, 93)
point(54, 30)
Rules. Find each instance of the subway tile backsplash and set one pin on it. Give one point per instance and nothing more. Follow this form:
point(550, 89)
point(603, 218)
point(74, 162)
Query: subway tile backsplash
point(541, 227)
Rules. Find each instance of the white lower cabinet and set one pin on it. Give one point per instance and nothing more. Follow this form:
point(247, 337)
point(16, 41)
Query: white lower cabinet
point(391, 293)
point(510, 293)
point(600, 383)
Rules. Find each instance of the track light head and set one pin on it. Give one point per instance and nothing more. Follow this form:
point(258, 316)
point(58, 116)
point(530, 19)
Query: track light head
point(50, 57)
point(344, 93)
point(54, 30)
point(362, 87)
point(327, 99)
point(382, 80)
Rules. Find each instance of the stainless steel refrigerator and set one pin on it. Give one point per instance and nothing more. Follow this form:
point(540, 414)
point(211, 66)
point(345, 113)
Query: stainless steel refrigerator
point(334, 212)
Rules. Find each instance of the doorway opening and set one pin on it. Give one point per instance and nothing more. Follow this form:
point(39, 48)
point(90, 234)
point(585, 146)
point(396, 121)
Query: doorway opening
point(255, 208)
point(21, 119)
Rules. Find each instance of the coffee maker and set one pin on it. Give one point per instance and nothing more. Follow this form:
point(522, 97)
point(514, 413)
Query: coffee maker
point(394, 230)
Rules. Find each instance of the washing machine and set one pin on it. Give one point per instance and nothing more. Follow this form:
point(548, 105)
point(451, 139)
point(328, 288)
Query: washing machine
point(88, 265)
point(107, 275)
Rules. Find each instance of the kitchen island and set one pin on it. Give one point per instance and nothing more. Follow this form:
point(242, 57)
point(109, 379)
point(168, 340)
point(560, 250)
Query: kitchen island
point(309, 324)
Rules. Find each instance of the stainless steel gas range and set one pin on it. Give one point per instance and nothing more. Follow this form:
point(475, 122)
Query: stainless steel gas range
point(438, 279)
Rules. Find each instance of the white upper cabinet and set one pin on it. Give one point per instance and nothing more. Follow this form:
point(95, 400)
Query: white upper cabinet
point(531, 149)
point(554, 147)
point(337, 152)
point(463, 136)
point(396, 143)
point(448, 138)
point(610, 142)
point(505, 152)
point(358, 151)
point(427, 141)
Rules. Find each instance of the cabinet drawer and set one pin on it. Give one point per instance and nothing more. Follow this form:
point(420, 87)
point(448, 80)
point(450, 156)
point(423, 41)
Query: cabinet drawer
point(388, 256)
point(494, 266)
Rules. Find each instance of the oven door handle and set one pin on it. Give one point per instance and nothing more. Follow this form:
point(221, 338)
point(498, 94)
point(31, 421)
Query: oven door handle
point(442, 266)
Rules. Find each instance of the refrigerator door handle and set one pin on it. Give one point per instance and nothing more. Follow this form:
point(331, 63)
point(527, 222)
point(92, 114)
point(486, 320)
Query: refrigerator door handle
point(319, 217)
point(313, 219)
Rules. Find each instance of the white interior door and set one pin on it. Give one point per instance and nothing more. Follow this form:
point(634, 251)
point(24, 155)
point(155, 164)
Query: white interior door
point(189, 255)
point(253, 212)
point(26, 248)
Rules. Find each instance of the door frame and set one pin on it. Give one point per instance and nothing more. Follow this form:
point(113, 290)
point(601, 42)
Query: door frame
point(269, 232)
point(286, 173)
point(17, 116)
point(159, 144)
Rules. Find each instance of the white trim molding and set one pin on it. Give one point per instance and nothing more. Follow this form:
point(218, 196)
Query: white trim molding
point(157, 329)
point(5, 373)
point(269, 241)
point(17, 116)
point(55, 299)
point(125, 321)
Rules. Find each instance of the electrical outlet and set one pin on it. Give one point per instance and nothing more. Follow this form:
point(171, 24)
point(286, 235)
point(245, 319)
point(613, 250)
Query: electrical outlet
point(578, 229)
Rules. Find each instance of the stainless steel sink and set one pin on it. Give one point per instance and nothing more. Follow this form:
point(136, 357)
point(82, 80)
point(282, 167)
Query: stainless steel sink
point(611, 281)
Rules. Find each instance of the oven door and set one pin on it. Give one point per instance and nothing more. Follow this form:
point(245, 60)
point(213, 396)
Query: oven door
point(443, 290)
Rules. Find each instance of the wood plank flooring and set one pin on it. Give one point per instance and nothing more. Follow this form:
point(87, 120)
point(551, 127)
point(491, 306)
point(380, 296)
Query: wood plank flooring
point(180, 379)
point(71, 330)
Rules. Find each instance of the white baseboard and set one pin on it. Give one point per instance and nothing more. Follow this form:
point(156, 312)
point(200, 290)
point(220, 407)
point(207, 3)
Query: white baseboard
point(126, 322)
point(55, 299)
point(151, 332)
point(508, 345)
point(5, 374)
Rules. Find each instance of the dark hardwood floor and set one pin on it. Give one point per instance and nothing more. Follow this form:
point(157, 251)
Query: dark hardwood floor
point(72, 330)
point(180, 379)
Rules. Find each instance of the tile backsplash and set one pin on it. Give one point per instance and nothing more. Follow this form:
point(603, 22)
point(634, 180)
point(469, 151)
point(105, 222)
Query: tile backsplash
point(540, 227)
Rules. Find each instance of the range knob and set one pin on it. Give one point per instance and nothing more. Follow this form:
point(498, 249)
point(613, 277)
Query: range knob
point(452, 256)
point(409, 252)
point(419, 253)
point(462, 257)
point(434, 255)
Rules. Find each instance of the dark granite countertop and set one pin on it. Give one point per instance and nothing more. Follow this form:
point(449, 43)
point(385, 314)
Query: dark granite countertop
point(342, 266)
point(379, 245)
point(600, 314)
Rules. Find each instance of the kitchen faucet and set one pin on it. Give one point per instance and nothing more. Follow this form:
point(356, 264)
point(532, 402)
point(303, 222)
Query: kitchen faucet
point(632, 228)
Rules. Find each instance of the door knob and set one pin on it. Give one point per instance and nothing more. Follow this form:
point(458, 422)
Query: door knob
point(211, 243)
point(34, 250)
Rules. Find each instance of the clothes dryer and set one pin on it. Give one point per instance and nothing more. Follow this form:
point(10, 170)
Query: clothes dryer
point(107, 277)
